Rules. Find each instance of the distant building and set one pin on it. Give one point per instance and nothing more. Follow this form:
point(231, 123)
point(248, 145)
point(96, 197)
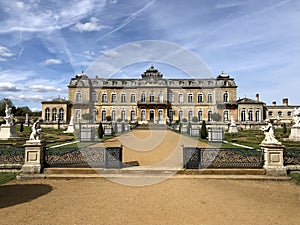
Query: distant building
point(55, 111)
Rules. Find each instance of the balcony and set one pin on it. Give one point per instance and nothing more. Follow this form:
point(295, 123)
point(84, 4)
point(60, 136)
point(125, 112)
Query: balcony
point(163, 103)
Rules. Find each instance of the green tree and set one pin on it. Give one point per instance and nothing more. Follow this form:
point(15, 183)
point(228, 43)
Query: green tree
point(203, 131)
point(22, 127)
point(100, 131)
point(284, 130)
point(216, 117)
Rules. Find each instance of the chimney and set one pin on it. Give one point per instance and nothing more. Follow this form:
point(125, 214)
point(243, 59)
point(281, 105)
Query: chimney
point(257, 97)
point(285, 101)
point(274, 103)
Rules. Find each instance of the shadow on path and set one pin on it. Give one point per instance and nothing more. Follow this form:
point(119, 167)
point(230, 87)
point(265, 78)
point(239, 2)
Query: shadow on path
point(11, 195)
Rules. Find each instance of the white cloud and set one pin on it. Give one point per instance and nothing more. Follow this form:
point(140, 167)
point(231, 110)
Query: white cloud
point(92, 25)
point(51, 61)
point(20, 4)
point(3, 59)
point(7, 86)
point(43, 88)
point(111, 53)
point(5, 52)
point(90, 55)
point(30, 98)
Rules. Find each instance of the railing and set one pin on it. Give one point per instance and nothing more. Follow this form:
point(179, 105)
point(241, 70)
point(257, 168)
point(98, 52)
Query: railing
point(291, 157)
point(100, 157)
point(197, 158)
point(12, 155)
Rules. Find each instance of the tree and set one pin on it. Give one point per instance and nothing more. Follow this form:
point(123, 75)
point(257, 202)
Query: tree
point(203, 131)
point(284, 130)
point(22, 127)
point(108, 118)
point(100, 131)
point(216, 117)
point(3, 103)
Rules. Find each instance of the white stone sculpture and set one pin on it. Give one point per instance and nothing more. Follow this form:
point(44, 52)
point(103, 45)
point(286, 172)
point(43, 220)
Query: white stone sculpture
point(36, 132)
point(232, 128)
point(269, 135)
point(8, 116)
point(296, 117)
point(70, 128)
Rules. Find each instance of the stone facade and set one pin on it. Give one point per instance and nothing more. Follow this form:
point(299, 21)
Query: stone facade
point(55, 111)
point(152, 98)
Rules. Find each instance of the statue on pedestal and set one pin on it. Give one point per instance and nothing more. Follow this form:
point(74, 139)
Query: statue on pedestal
point(232, 128)
point(8, 116)
point(269, 135)
point(296, 117)
point(36, 131)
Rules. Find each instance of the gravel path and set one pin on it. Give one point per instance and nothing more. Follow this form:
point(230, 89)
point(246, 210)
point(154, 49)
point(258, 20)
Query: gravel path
point(175, 201)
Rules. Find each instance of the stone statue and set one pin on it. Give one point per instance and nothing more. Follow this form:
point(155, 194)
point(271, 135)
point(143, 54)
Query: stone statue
point(232, 128)
point(269, 135)
point(8, 116)
point(232, 121)
point(36, 131)
point(296, 117)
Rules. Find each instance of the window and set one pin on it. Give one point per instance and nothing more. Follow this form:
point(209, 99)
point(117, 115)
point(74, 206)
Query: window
point(250, 115)
point(280, 114)
point(47, 114)
point(270, 113)
point(78, 96)
point(143, 97)
point(243, 115)
point(94, 97)
point(104, 115)
point(94, 114)
point(190, 115)
point(209, 98)
point(289, 114)
point(226, 115)
point(190, 98)
point(257, 116)
point(171, 97)
point(180, 98)
point(200, 115)
point(171, 115)
point(160, 115)
point(200, 98)
point(152, 97)
point(132, 115)
point(54, 114)
point(61, 114)
point(132, 98)
point(160, 98)
point(78, 114)
point(225, 97)
point(104, 97)
point(123, 98)
point(209, 113)
point(113, 115)
point(143, 115)
point(123, 115)
point(113, 98)
point(180, 115)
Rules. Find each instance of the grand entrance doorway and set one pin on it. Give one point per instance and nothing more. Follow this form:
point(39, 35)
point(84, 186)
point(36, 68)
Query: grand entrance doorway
point(152, 115)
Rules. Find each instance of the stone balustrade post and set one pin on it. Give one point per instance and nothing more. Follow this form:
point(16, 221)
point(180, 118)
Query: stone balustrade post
point(273, 159)
point(34, 157)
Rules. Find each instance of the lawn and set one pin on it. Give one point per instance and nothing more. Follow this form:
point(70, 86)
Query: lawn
point(5, 177)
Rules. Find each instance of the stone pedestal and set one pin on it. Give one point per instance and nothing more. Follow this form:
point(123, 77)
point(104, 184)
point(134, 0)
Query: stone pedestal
point(70, 129)
point(295, 133)
point(233, 129)
point(8, 131)
point(273, 157)
point(34, 157)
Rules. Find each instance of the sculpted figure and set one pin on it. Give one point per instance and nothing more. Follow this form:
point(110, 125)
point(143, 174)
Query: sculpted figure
point(296, 116)
point(269, 135)
point(36, 131)
point(8, 116)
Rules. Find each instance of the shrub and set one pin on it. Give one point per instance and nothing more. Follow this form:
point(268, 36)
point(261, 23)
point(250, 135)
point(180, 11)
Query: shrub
point(100, 131)
point(184, 120)
point(216, 117)
point(22, 127)
point(108, 118)
point(203, 131)
point(195, 119)
point(119, 120)
point(284, 128)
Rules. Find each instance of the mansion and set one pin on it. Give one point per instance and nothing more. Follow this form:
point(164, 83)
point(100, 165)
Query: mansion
point(154, 99)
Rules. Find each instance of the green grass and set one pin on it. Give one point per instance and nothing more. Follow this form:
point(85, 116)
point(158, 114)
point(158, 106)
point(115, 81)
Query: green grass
point(295, 177)
point(6, 177)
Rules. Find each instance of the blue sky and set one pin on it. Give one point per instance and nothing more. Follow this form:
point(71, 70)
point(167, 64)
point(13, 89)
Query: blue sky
point(44, 43)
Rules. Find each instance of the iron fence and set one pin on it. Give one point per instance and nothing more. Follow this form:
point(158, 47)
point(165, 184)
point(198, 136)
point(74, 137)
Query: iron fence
point(12, 155)
point(197, 158)
point(291, 157)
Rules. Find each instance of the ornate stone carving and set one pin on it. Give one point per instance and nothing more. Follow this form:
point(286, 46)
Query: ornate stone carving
point(269, 135)
point(36, 131)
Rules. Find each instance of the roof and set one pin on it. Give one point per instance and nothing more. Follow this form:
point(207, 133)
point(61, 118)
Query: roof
point(248, 101)
point(56, 100)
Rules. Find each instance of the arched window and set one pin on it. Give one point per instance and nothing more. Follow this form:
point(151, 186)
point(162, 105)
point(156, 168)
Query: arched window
point(94, 97)
point(226, 115)
point(209, 98)
point(151, 97)
point(180, 115)
point(132, 98)
point(123, 115)
point(200, 115)
point(257, 115)
point(94, 114)
point(61, 114)
point(243, 115)
point(54, 114)
point(104, 97)
point(113, 115)
point(200, 98)
point(47, 114)
point(190, 98)
point(250, 115)
point(225, 97)
point(190, 115)
point(78, 96)
point(114, 98)
point(143, 97)
point(160, 115)
point(123, 98)
point(209, 113)
point(103, 115)
point(171, 114)
point(132, 115)
point(171, 97)
point(78, 114)
point(143, 115)
point(180, 98)
point(160, 97)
